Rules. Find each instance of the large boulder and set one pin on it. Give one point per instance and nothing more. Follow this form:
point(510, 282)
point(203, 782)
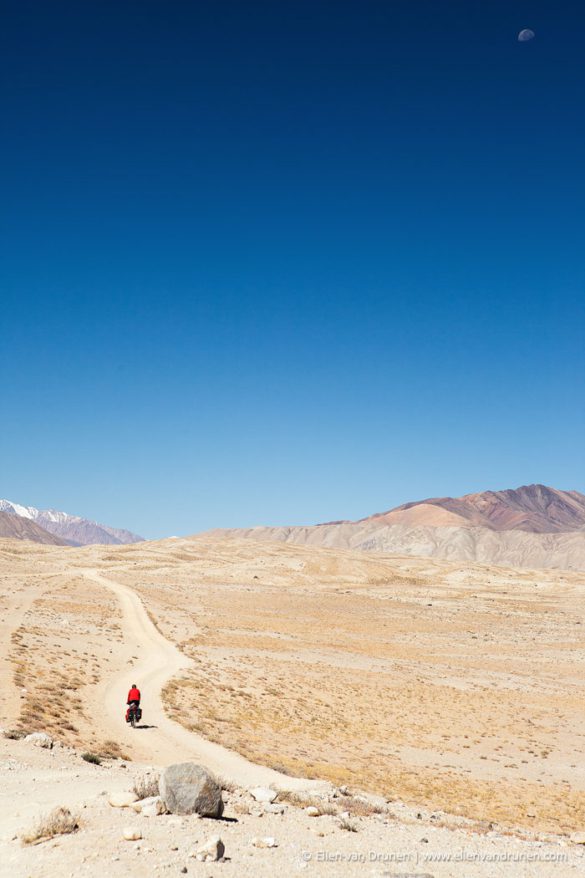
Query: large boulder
point(187, 788)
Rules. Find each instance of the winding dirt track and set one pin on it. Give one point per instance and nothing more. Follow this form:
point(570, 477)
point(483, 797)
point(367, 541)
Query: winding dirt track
point(164, 741)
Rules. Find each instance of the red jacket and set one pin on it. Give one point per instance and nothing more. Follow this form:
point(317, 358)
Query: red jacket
point(133, 695)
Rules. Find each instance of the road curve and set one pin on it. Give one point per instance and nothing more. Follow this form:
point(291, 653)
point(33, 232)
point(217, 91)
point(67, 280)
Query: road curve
point(166, 741)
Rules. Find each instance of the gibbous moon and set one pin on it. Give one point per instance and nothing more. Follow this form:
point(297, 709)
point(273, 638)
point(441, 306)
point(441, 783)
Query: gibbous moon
point(525, 35)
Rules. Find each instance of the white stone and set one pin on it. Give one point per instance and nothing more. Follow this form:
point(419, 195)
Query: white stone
point(122, 800)
point(263, 794)
point(131, 833)
point(212, 850)
point(274, 808)
point(578, 837)
point(152, 806)
point(40, 739)
point(154, 810)
point(311, 811)
point(267, 842)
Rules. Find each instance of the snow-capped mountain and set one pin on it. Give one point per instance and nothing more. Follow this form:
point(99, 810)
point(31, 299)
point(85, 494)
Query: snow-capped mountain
point(72, 528)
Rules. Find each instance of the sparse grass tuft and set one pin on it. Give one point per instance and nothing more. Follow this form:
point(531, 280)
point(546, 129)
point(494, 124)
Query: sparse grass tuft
point(59, 822)
point(91, 757)
point(111, 750)
point(328, 808)
point(296, 799)
point(300, 800)
point(281, 768)
point(147, 786)
point(227, 785)
point(359, 807)
point(14, 734)
point(347, 825)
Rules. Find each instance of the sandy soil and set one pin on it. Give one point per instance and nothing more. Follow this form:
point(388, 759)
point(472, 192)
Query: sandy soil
point(445, 686)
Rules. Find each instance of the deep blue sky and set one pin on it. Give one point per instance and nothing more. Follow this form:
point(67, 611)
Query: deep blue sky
point(283, 262)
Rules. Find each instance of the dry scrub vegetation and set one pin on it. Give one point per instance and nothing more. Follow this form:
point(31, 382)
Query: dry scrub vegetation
point(57, 658)
point(451, 686)
point(146, 786)
point(448, 686)
point(59, 822)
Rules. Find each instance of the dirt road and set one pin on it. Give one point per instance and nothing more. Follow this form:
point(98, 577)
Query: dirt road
point(161, 741)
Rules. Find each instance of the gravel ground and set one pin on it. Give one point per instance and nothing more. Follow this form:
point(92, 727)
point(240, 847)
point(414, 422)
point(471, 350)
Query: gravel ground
point(396, 842)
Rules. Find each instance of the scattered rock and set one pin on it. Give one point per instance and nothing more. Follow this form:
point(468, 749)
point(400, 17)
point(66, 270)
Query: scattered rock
point(121, 800)
point(311, 811)
point(151, 806)
point(211, 851)
point(267, 842)
point(40, 739)
point(131, 833)
point(187, 788)
point(274, 808)
point(263, 794)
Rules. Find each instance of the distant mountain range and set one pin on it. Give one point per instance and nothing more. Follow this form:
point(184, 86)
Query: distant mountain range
point(68, 529)
point(531, 526)
point(531, 508)
point(14, 527)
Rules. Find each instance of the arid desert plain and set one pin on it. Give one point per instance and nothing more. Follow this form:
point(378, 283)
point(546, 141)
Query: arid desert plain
point(452, 694)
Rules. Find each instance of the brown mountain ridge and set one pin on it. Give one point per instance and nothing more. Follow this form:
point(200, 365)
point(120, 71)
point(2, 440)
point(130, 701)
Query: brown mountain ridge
point(16, 528)
point(531, 508)
point(533, 526)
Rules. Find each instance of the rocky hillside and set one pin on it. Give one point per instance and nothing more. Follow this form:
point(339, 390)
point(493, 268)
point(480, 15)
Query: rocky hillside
point(532, 526)
point(16, 528)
